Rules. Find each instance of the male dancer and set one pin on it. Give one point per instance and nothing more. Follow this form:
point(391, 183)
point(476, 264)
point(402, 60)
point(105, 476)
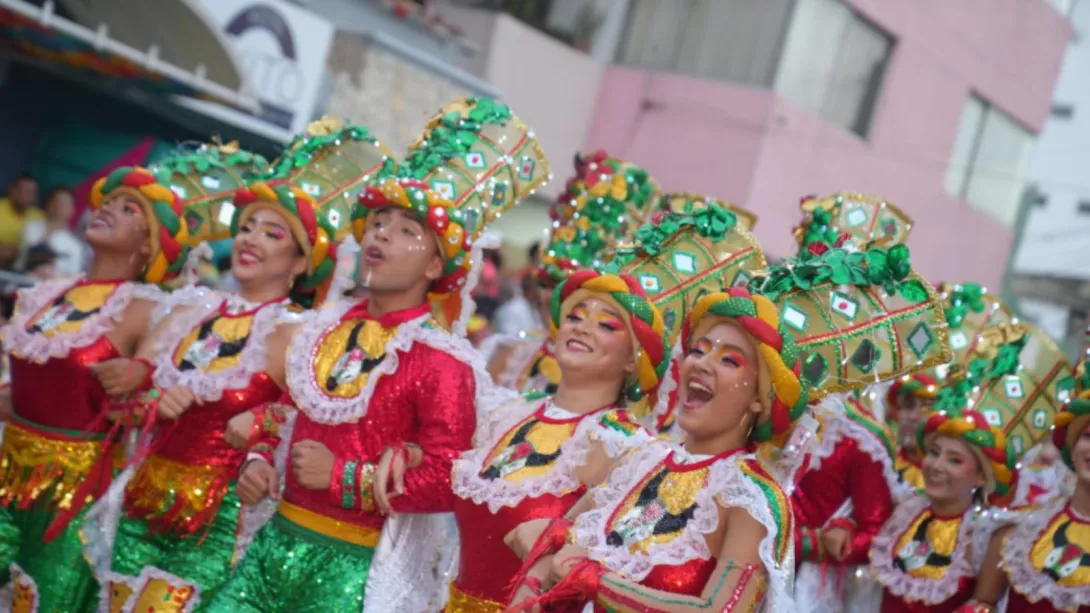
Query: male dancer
point(382, 389)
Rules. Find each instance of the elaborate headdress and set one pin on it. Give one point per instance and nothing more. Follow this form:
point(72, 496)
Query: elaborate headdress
point(850, 220)
point(332, 162)
point(603, 202)
point(688, 203)
point(835, 322)
point(1004, 400)
point(474, 161)
point(1072, 421)
point(310, 228)
point(163, 209)
point(205, 180)
point(970, 310)
point(645, 323)
point(679, 257)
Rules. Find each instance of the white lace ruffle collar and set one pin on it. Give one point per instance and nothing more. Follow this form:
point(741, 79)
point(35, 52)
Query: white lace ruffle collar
point(726, 485)
point(209, 386)
point(931, 592)
point(1034, 585)
point(325, 409)
point(38, 348)
point(560, 479)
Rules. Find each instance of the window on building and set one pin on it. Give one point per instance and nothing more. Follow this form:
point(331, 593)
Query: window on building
point(727, 40)
point(834, 62)
point(1063, 111)
point(1040, 200)
point(989, 161)
point(818, 53)
point(1084, 207)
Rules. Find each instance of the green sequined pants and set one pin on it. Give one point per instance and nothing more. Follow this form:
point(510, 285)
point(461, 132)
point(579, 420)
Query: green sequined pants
point(289, 569)
point(64, 580)
point(204, 558)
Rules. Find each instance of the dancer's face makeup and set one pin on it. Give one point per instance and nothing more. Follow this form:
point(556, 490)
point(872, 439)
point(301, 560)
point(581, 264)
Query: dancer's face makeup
point(718, 389)
point(594, 338)
point(265, 251)
point(120, 224)
point(951, 470)
point(398, 250)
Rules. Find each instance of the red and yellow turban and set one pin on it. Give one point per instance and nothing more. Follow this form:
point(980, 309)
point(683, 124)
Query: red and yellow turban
point(163, 210)
point(759, 318)
point(645, 322)
point(987, 442)
point(310, 229)
point(919, 385)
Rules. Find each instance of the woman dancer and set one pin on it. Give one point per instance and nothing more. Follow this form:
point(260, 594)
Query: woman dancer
point(534, 460)
point(928, 554)
point(57, 454)
point(704, 526)
point(605, 199)
point(214, 360)
point(1044, 558)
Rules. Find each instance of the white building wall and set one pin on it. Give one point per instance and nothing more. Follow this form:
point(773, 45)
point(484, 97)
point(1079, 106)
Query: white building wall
point(1056, 241)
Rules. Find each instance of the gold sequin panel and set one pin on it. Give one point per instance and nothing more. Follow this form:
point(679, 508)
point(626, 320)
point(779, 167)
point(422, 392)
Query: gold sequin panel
point(33, 466)
point(345, 357)
point(213, 352)
point(69, 314)
point(528, 450)
point(1061, 549)
point(939, 539)
point(634, 523)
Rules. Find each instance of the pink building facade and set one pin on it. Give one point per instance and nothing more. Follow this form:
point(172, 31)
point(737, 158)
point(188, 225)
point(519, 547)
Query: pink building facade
point(940, 121)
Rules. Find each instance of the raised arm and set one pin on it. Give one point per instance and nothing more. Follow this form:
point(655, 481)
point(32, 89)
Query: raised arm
point(991, 581)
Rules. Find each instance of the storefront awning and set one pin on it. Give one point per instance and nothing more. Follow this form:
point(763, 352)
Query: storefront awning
point(38, 34)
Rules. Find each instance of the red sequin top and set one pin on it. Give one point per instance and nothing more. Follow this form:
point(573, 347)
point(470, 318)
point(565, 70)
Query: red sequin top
point(524, 469)
point(183, 483)
point(62, 393)
point(428, 401)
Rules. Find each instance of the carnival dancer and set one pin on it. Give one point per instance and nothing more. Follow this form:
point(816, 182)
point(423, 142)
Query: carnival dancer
point(1043, 557)
point(908, 402)
point(928, 555)
point(57, 452)
point(380, 386)
point(694, 246)
point(603, 201)
point(533, 460)
point(840, 473)
point(635, 531)
point(178, 537)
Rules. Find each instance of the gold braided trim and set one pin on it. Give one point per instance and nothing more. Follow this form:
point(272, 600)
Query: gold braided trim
point(34, 466)
point(460, 602)
point(327, 526)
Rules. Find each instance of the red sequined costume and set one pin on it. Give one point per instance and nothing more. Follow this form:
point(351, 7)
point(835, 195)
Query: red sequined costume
point(56, 455)
point(926, 562)
point(362, 384)
point(181, 516)
point(522, 468)
point(625, 531)
point(845, 478)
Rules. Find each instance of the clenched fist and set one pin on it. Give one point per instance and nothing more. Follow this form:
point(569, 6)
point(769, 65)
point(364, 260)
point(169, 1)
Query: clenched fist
point(120, 376)
point(312, 463)
point(257, 481)
point(175, 402)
